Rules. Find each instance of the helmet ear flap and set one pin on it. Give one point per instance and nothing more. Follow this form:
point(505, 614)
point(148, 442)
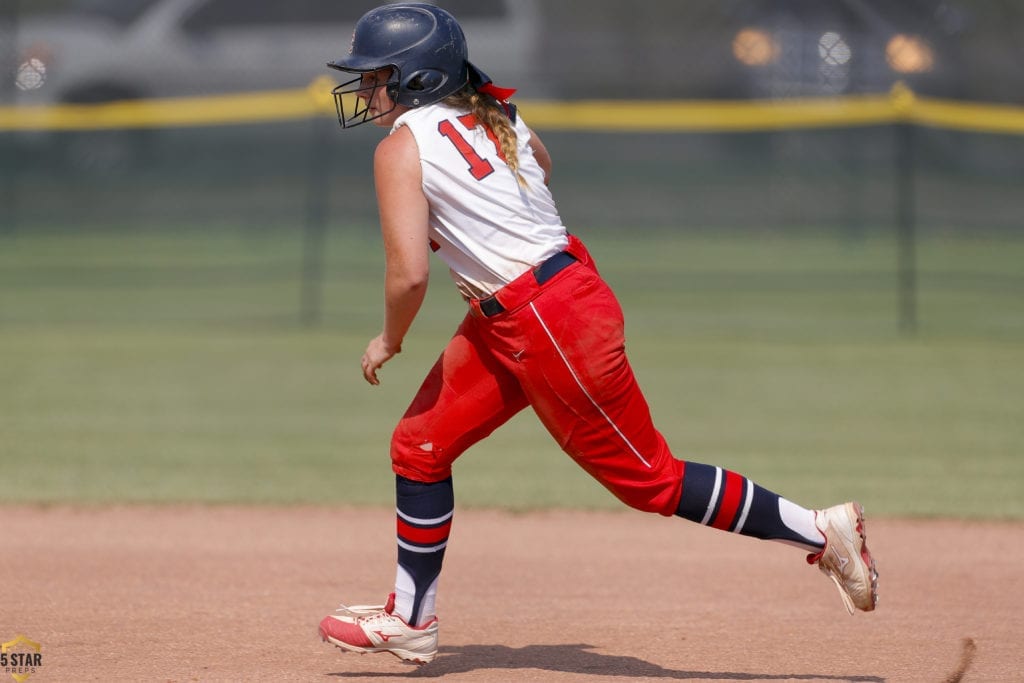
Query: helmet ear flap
point(421, 85)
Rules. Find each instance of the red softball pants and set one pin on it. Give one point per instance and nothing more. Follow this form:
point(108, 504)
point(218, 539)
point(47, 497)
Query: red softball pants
point(559, 348)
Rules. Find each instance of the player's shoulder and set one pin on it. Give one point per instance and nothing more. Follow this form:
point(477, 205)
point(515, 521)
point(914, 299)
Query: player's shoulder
point(397, 148)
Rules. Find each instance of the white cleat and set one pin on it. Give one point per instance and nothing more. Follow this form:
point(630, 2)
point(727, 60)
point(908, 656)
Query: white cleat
point(846, 558)
point(368, 629)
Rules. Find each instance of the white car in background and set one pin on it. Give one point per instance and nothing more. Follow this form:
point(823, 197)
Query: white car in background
point(110, 50)
point(101, 50)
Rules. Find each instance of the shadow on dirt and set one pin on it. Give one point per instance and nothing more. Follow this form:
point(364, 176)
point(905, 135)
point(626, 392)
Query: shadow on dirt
point(576, 659)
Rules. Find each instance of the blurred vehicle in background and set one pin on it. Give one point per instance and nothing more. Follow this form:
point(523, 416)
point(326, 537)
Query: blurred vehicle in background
point(102, 50)
point(808, 48)
point(112, 50)
point(742, 49)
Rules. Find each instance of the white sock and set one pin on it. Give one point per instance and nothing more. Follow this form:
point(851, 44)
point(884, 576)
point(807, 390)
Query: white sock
point(801, 521)
point(405, 595)
point(405, 598)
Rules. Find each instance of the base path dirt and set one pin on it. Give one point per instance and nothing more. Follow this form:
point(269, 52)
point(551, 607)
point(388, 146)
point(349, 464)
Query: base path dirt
point(235, 594)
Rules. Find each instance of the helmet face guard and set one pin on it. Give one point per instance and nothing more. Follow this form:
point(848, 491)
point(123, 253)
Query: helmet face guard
point(352, 100)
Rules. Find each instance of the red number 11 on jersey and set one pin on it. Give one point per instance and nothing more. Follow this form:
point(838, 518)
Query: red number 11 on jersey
point(479, 168)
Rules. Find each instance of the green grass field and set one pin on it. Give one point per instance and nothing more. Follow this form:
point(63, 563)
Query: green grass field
point(170, 366)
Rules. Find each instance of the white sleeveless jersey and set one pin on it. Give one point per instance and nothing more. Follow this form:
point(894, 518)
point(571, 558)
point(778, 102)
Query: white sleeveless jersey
point(483, 223)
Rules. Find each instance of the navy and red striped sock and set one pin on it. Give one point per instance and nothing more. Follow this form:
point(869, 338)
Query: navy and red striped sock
point(728, 501)
point(424, 520)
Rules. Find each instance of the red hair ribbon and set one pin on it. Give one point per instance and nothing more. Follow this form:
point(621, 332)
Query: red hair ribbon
point(500, 94)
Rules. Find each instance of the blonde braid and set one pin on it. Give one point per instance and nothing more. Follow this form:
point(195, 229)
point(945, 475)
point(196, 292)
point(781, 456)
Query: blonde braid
point(491, 116)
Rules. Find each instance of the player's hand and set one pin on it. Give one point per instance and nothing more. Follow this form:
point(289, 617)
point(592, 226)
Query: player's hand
point(377, 353)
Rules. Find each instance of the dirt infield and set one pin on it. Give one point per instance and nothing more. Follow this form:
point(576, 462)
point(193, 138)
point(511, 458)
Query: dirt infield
point(235, 594)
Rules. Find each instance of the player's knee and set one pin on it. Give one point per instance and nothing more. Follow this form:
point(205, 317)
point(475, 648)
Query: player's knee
point(660, 496)
point(416, 458)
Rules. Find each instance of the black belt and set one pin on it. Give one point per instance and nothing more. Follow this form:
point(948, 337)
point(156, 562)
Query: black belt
point(542, 273)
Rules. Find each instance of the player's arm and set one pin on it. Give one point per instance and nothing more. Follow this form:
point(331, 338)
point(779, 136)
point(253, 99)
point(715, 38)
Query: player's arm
point(404, 220)
point(540, 153)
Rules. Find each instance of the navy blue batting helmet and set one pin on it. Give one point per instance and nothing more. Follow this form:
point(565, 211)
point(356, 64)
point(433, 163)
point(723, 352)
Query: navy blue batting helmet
point(424, 46)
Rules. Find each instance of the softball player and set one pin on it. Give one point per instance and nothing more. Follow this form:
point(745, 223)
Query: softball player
point(462, 175)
